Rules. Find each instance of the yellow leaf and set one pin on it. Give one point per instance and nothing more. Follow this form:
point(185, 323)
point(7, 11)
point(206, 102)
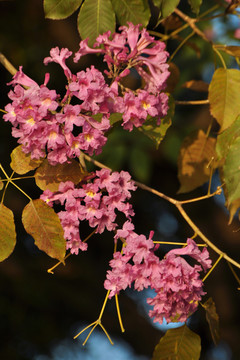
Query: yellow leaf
point(7, 232)
point(21, 162)
point(43, 224)
point(178, 344)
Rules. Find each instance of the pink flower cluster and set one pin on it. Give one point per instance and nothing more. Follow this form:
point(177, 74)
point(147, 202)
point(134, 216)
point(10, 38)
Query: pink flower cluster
point(177, 285)
point(95, 201)
point(38, 126)
point(132, 48)
point(43, 122)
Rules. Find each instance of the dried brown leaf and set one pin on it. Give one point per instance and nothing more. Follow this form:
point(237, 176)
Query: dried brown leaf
point(196, 152)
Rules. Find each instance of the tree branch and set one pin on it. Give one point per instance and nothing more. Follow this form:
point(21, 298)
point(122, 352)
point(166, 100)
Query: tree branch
point(178, 205)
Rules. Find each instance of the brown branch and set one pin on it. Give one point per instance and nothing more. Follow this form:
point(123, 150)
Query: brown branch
point(178, 205)
point(192, 24)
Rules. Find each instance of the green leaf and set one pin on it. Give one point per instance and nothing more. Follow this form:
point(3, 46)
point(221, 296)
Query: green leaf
point(178, 344)
point(196, 152)
point(43, 224)
point(212, 319)
point(135, 11)
point(49, 177)
point(22, 163)
point(60, 9)
point(115, 117)
point(157, 132)
point(195, 5)
point(231, 171)
point(7, 232)
point(226, 138)
point(95, 17)
point(224, 96)
point(228, 151)
point(166, 7)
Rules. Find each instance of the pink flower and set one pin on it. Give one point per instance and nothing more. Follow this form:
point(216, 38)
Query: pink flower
point(60, 56)
point(22, 79)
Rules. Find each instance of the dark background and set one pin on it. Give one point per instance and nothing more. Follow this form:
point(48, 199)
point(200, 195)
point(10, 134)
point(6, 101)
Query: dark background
point(39, 311)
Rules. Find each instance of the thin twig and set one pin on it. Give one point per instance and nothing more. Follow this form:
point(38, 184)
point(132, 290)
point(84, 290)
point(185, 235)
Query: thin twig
point(178, 205)
point(192, 24)
point(194, 102)
point(8, 66)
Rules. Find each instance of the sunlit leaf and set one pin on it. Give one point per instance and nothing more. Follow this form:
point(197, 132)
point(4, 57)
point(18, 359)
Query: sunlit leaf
point(228, 150)
point(231, 170)
point(226, 138)
point(43, 224)
point(157, 132)
point(49, 177)
point(212, 319)
point(7, 232)
point(196, 152)
point(60, 9)
point(135, 11)
point(95, 17)
point(196, 85)
point(195, 5)
point(22, 163)
point(224, 96)
point(178, 344)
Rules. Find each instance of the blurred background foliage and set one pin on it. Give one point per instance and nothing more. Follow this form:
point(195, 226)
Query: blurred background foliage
point(40, 311)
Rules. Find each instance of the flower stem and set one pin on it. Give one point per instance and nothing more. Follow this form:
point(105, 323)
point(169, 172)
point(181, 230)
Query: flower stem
point(119, 314)
point(96, 323)
point(215, 264)
point(174, 243)
point(50, 271)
